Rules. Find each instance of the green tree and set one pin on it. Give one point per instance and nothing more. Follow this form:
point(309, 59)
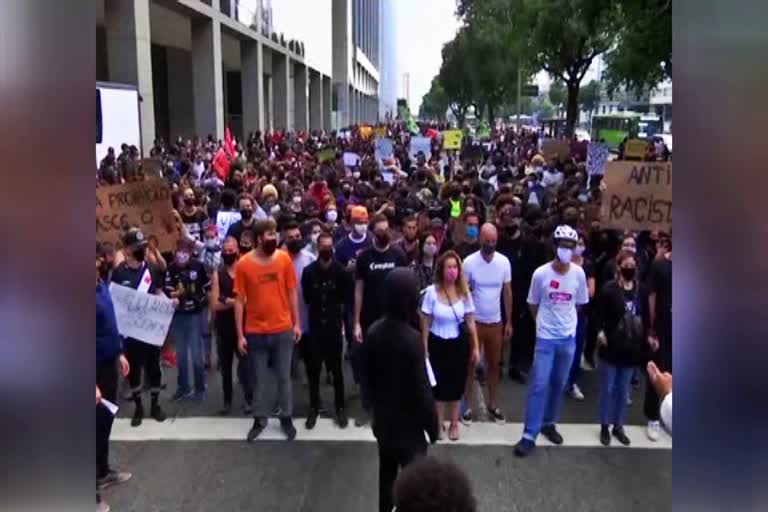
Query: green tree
point(589, 96)
point(434, 104)
point(562, 37)
point(454, 76)
point(642, 56)
point(558, 94)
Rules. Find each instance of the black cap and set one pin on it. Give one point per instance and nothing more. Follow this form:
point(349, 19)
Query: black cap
point(134, 238)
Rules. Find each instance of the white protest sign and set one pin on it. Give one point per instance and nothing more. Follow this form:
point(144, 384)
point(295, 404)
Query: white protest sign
point(350, 159)
point(597, 155)
point(383, 149)
point(223, 222)
point(423, 144)
point(141, 316)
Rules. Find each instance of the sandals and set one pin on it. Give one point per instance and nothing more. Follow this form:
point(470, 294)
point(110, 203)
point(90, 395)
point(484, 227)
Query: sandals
point(453, 432)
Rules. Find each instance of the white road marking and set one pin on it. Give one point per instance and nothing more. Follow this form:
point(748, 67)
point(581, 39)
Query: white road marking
point(477, 434)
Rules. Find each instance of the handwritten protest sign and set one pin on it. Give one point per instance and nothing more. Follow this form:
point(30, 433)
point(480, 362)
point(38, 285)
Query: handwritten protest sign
point(350, 159)
point(140, 315)
point(638, 196)
point(452, 139)
point(423, 144)
point(552, 148)
point(635, 148)
point(224, 221)
point(597, 155)
point(383, 149)
point(146, 204)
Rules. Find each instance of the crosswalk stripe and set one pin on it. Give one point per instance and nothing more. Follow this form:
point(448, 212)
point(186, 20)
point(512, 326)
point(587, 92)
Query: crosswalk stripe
point(477, 434)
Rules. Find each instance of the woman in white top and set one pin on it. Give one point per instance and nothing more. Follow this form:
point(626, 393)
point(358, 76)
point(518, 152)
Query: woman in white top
point(449, 336)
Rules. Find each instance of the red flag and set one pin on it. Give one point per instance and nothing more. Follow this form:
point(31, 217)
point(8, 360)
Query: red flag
point(221, 164)
point(228, 143)
point(431, 133)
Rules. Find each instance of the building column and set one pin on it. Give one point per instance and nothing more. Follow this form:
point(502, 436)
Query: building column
point(129, 57)
point(300, 107)
point(252, 76)
point(327, 103)
point(315, 100)
point(207, 80)
point(280, 94)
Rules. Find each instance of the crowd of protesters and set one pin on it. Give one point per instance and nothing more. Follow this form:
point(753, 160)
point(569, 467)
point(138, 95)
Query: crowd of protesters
point(505, 245)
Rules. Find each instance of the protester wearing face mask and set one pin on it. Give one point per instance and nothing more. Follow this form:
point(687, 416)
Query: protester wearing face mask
point(269, 198)
point(248, 216)
point(211, 254)
point(628, 244)
point(471, 239)
point(449, 336)
point(192, 216)
point(267, 329)
point(372, 267)
point(325, 289)
point(222, 306)
point(187, 281)
point(489, 276)
point(557, 289)
point(135, 273)
point(572, 387)
point(312, 229)
point(424, 268)
point(409, 243)
point(301, 258)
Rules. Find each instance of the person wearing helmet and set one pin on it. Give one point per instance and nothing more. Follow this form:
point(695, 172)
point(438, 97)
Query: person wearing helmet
point(557, 289)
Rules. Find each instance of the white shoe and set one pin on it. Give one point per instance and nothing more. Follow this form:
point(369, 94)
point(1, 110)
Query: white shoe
point(102, 507)
point(653, 431)
point(576, 393)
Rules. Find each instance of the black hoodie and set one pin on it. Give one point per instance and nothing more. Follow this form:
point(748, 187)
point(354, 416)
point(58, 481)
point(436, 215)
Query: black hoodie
point(394, 368)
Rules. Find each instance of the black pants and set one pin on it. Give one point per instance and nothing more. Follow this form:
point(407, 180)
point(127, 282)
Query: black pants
point(393, 457)
point(106, 379)
point(227, 341)
point(143, 355)
point(663, 359)
point(318, 348)
point(523, 339)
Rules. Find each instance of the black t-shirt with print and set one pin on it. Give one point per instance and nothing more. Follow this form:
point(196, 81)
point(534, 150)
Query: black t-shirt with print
point(194, 223)
point(372, 268)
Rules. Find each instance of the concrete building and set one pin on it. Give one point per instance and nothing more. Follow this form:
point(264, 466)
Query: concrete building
point(202, 65)
point(356, 52)
point(389, 70)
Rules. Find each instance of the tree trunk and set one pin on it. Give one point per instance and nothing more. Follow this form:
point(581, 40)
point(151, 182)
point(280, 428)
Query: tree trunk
point(572, 110)
point(491, 115)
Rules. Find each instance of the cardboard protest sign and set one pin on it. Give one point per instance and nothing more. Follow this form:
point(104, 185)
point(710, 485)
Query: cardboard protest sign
point(350, 159)
point(452, 139)
point(365, 131)
point(146, 204)
point(597, 155)
point(152, 167)
point(638, 196)
point(423, 144)
point(325, 155)
point(552, 148)
point(383, 149)
point(380, 131)
point(635, 148)
point(140, 315)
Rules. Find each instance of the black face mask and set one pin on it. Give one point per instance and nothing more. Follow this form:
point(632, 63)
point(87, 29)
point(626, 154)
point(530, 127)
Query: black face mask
point(294, 246)
point(139, 254)
point(325, 254)
point(244, 249)
point(246, 214)
point(229, 259)
point(628, 273)
point(269, 246)
point(346, 192)
point(487, 248)
point(382, 239)
point(104, 269)
point(188, 201)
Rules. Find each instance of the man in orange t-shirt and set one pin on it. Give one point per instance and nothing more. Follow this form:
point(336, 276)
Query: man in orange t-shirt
point(267, 321)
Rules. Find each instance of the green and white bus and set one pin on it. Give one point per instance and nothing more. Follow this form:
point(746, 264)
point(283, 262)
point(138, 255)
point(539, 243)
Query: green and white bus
point(614, 127)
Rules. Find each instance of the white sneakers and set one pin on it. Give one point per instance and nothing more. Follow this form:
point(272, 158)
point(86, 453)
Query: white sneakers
point(575, 393)
point(654, 430)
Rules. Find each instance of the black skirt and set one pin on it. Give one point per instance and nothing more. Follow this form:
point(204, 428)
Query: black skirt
point(450, 361)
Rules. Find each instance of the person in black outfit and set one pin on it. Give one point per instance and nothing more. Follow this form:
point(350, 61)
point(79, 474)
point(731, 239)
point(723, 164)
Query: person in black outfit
point(135, 273)
point(325, 286)
point(660, 306)
point(222, 304)
point(394, 363)
point(248, 216)
point(109, 358)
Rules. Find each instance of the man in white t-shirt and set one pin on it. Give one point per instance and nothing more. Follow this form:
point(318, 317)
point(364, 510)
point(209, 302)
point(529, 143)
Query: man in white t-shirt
point(557, 289)
point(489, 273)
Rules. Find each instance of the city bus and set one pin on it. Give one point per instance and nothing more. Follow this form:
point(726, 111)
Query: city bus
point(553, 127)
point(614, 127)
point(649, 125)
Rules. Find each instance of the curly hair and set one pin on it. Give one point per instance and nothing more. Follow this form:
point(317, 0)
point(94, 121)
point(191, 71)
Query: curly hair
point(461, 285)
point(432, 485)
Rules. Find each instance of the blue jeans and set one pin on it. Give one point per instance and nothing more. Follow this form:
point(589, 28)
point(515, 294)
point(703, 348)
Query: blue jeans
point(278, 348)
point(188, 338)
point(614, 387)
point(581, 339)
point(551, 363)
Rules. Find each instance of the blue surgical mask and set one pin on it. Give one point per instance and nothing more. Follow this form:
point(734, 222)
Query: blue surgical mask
point(471, 232)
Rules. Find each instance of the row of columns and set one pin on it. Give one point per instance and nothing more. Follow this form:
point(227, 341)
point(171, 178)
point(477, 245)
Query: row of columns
point(363, 108)
point(129, 57)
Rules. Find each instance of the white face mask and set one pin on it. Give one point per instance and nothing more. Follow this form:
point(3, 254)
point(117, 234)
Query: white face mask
point(275, 210)
point(314, 237)
point(579, 250)
point(430, 249)
point(361, 229)
point(331, 215)
point(356, 175)
point(564, 254)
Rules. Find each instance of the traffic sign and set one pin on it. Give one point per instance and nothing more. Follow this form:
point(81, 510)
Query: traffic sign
point(530, 90)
